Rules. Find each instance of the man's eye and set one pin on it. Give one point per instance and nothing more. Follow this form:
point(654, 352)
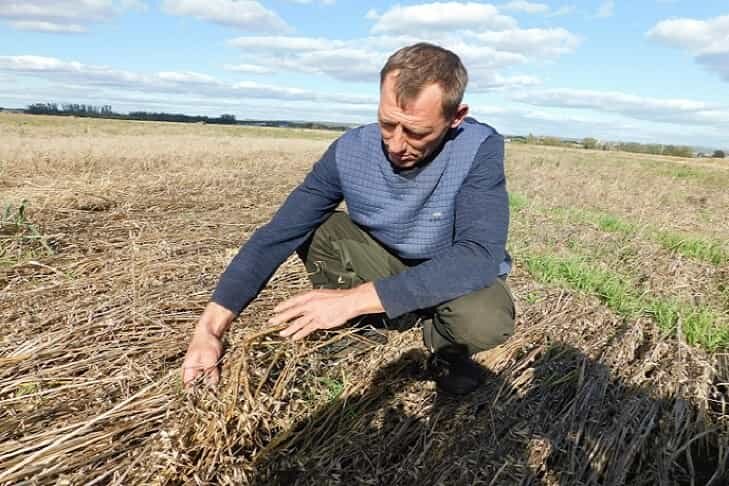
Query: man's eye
point(415, 135)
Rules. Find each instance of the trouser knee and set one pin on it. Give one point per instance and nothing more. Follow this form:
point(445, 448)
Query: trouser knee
point(332, 229)
point(477, 321)
point(340, 254)
point(320, 256)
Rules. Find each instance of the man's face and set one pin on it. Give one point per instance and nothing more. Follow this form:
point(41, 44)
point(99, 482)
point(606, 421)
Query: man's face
point(412, 132)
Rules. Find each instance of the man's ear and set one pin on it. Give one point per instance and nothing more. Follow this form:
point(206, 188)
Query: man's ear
point(460, 115)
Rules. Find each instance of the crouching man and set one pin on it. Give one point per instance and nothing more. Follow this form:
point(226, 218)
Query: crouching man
point(423, 240)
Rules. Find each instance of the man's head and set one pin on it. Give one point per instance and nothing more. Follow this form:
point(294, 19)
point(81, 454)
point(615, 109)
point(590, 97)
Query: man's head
point(421, 89)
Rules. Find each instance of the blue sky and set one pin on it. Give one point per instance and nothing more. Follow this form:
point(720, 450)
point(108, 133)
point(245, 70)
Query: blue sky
point(641, 70)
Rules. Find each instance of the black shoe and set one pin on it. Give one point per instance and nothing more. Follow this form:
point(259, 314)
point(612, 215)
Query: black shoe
point(454, 371)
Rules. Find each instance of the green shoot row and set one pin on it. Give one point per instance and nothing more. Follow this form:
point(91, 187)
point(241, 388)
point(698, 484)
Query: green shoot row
point(699, 326)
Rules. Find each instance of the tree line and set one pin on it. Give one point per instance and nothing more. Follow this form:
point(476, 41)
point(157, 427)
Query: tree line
point(105, 111)
point(641, 148)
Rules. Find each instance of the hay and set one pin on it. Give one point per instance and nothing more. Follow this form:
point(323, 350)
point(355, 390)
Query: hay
point(94, 336)
point(566, 403)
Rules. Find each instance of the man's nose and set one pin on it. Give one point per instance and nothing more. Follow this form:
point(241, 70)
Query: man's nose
point(397, 141)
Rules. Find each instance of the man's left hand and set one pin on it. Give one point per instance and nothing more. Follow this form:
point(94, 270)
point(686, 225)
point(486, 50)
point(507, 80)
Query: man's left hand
point(324, 309)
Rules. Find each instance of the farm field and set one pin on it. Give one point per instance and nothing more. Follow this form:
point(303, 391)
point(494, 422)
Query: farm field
point(114, 234)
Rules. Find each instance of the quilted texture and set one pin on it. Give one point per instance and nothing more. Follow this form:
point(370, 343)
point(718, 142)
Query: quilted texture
point(411, 212)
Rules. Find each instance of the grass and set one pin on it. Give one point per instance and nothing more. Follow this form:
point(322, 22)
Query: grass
point(696, 247)
point(613, 224)
point(517, 201)
point(20, 239)
point(334, 387)
point(692, 247)
point(699, 326)
point(27, 389)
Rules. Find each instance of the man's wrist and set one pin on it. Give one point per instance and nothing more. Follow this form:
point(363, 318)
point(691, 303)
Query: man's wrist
point(215, 320)
point(366, 299)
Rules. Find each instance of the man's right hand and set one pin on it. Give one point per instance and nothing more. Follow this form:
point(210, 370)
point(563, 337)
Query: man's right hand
point(206, 347)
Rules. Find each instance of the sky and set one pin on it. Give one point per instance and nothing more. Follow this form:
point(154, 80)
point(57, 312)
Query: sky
point(651, 71)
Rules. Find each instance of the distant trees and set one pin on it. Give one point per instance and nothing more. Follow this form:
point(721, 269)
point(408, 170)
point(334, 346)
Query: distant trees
point(74, 109)
point(225, 119)
point(656, 149)
point(678, 151)
point(552, 141)
point(718, 154)
point(43, 109)
point(593, 143)
point(105, 111)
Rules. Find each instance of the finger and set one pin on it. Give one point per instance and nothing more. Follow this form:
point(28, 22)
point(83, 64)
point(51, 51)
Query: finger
point(212, 377)
point(305, 331)
point(295, 326)
point(287, 315)
point(201, 375)
point(189, 375)
point(293, 301)
point(196, 364)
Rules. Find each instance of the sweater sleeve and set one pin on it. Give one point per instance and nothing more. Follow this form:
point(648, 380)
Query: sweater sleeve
point(303, 211)
point(479, 246)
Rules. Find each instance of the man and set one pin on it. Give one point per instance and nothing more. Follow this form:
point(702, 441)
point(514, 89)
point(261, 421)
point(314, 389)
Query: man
point(424, 236)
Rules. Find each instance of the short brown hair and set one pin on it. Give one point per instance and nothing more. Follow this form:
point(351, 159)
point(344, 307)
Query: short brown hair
point(422, 64)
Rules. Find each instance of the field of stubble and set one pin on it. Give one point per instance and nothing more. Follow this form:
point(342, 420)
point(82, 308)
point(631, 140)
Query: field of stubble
point(114, 233)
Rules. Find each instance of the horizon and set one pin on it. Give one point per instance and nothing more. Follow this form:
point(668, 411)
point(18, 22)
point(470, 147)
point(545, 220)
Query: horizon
point(331, 125)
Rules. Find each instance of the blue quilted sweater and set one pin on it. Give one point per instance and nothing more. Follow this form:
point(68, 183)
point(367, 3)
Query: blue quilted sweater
point(451, 214)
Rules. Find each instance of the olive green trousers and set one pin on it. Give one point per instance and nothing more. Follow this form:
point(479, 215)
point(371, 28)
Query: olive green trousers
point(342, 255)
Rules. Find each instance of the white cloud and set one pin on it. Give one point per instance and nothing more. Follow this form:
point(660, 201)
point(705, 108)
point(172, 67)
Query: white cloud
point(551, 42)
point(186, 77)
point(677, 111)
point(439, 16)
point(362, 59)
point(307, 2)
point(526, 7)
point(248, 68)
point(242, 14)
point(691, 34)
point(706, 40)
point(555, 112)
point(134, 5)
point(562, 122)
point(285, 43)
point(496, 81)
point(63, 16)
point(606, 9)
point(41, 26)
point(563, 10)
point(537, 8)
point(486, 41)
point(167, 82)
point(356, 60)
